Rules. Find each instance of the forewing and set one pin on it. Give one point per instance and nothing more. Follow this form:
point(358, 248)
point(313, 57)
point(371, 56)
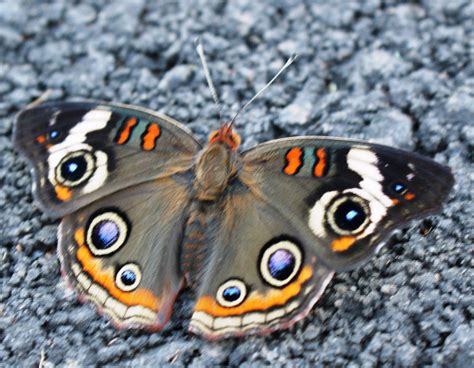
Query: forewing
point(346, 195)
point(121, 252)
point(82, 151)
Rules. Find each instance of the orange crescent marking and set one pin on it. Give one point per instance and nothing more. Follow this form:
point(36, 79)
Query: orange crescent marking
point(320, 166)
point(149, 139)
point(106, 278)
point(127, 130)
point(343, 243)
point(395, 201)
point(41, 139)
point(293, 157)
point(63, 193)
point(409, 196)
point(256, 301)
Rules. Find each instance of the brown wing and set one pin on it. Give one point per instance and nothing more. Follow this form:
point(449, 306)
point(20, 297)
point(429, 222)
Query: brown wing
point(82, 151)
point(261, 274)
point(121, 252)
point(344, 195)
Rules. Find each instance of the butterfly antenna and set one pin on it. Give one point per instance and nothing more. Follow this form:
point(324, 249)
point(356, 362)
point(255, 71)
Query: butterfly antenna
point(282, 69)
point(44, 96)
point(200, 51)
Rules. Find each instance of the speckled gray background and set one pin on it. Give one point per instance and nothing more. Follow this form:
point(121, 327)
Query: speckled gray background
point(394, 72)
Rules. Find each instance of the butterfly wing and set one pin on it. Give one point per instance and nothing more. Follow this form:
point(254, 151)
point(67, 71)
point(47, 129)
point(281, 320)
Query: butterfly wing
point(346, 195)
point(82, 151)
point(299, 209)
point(261, 274)
point(124, 262)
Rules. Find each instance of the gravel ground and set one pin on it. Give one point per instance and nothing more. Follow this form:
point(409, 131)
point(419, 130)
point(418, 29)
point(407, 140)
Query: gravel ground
point(395, 72)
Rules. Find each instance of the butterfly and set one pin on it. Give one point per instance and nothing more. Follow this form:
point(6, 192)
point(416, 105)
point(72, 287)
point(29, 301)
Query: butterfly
point(147, 210)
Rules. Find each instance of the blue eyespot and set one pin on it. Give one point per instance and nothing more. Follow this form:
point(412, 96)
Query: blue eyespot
point(74, 168)
point(128, 277)
point(349, 215)
point(53, 134)
point(281, 264)
point(104, 234)
point(399, 188)
point(280, 261)
point(231, 294)
point(107, 230)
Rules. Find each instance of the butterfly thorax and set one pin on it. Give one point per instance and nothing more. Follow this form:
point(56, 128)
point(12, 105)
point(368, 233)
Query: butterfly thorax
point(216, 163)
point(214, 168)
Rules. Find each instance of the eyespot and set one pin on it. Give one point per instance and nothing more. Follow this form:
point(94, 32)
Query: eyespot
point(107, 232)
point(231, 293)
point(128, 277)
point(348, 215)
point(53, 134)
point(280, 263)
point(399, 188)
point(75, 168)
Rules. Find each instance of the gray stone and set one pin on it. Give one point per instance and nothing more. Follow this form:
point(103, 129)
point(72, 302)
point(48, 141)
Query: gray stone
point(399, 73)
point(176, 77)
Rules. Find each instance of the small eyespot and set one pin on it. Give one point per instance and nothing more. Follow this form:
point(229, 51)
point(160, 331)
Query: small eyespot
point(128, 277)
point(231, 293)
point(399, 188)
point(280, 263)
point(53, 134)
point(348, 215)
point(107, 232)
point(75, 168)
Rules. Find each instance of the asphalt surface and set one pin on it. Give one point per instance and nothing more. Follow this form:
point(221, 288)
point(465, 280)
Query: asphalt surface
point(393, 72)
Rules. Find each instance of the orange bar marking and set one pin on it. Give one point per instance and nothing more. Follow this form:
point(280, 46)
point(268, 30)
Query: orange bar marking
point(409, 196)
point(150, 137)
point(343, 243)
point(294, 161)
point(41, 139)
point(321, 163)
point(256, 301)
point(63, 193)
point(126, 131)
point(106, 278)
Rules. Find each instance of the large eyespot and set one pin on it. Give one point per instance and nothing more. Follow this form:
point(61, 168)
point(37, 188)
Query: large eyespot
point(348, 215)
point(128, 277)
point(75, 168)
point(280, 263)
point(107, 232)
point(231, 293)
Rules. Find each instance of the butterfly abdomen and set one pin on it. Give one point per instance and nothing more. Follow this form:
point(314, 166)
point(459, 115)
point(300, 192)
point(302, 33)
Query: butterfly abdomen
point(194, 249)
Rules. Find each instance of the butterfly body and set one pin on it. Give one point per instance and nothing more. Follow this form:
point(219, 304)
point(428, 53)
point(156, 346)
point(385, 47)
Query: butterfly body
point(146, 210)
point(214, 168)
